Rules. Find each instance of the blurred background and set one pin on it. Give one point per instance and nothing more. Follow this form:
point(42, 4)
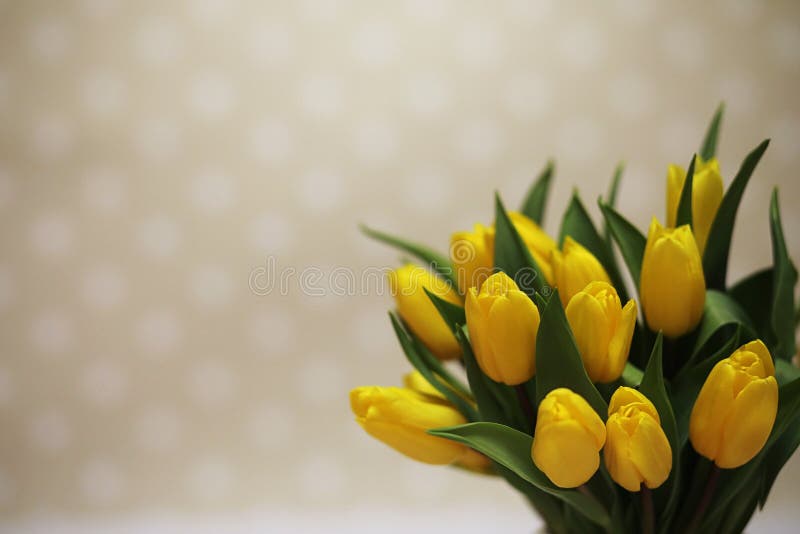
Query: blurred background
point(158, 160)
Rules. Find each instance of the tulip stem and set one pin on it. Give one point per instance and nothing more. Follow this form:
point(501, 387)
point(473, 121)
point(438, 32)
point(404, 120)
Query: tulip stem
point(705, 500)
point(525, 404)
point(648, 513)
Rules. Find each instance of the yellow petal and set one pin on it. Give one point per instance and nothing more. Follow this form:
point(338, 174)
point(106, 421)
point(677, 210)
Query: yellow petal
point(616, 455)
point(749, 423)
point(513, 324)
point(620, 345)
point(711, 410)
point(650, 452)
point(592, 332)
point(566, 453)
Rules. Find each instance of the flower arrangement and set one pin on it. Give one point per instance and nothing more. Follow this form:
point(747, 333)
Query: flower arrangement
point(671, 413)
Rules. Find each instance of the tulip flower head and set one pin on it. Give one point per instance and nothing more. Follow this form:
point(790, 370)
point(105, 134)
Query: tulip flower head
point(503, 323)
point(736, 408)
point(707, 191)
point(540, 245)
point(408, 286)
point(568, 437)
point(603, 330)
point(574, 268)
point(672, 287)
point(472, 255)
point(637, 450)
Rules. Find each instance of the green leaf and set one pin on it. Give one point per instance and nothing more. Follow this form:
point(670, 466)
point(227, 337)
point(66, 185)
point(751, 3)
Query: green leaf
point(785, 372)
point(558, 362)
point(512, 449)
point(654, 388)
point(437, 262)
point(685, 204)
point(453, 314)
point(709, 147)
point(785, 279)
point(721, 316)
point(536, 200)
point(512, 256)
point(754, 295)
point(412, 350)
point(718, 244)
point(778, 455)
point(611, 200)
point(629, 239)
point(632, 375)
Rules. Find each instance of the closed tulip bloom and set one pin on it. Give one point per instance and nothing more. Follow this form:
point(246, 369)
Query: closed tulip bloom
point(574, 268)
point(401, 417)
point(736, 408)
point(568, 438)
point(540, 245)
point(672, 287)
point(603, 330)
point(416, 382)
point(503, 323)
point(472, 255)
point(408, 285)
point(637, 450)
point(707, 191)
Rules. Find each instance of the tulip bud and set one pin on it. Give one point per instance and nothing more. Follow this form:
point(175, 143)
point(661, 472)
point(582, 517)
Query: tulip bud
point(603, 330)
point(540, 245)
point(637, 450)
point(707, 190)
point(401, 418)
point(574, 268)
point(736, 408)
point(416, 382)
point(408, 286)
point(568, 438)
point(502, 323)
point(472, 254)
point(672, 287)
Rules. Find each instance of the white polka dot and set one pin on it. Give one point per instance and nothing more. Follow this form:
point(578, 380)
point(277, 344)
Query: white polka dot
point(104, 190)
point(321, 476)
point(157, 139)
point(211, 383)
point(211, 286)
point(321, 378)
point(52, 332)
point(320, 190)
point(103, 382)
point(50, 39)
point(271, 426)
point(528, 95)
point(7, 387)
point(52, 136)
point(159, 236)
point(101, 482)
point(479, 45)
point(582, 44)
point(480, 141)
point(428, 95)
point(427, 10)
point(158, 429)
point(270, 233)
point(158, 41)
point(270, 44)
point(375, 141)
point(213, 192)
point(211, 479)
point(579, 137)
point(428, 190)
point(631, 95)
point(212, 96)
point(8, 489)
point(272, 333)
point(636, 11)
point(684, 44)
point(8, 288)
point(784, 42)
point(271, 141)
point(104, 287)
point(159, 332)
point(320, 96)
point(103, 93)
point(50, 431)
point(374, 43)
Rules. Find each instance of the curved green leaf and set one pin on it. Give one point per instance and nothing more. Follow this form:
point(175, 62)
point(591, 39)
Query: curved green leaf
point(512, 449)
point(611, 199)
point(721, 316)
point(536, 200)
point(685, 203)
point(709, 147)
point(453, 314)
point(512, 256)
point(784, 281)
point(754, 295)
point(629, 239)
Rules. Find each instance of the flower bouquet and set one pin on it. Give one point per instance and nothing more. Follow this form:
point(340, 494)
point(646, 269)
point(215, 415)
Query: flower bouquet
point(672, 411)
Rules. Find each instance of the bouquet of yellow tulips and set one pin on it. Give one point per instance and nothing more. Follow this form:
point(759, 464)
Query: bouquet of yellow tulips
point(671, 413)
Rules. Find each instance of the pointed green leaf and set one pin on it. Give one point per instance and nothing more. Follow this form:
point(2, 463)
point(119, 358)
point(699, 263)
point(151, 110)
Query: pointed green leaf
point(721, 316)
point(629, 239)
point(436, 261)
point(783, 287)
point(512, 256)
point(754, 295)
point(453, 314)
point(493, 402)
point(715, 256)
point(512, 449)
point(611, 200)
point(708, 149)
point(536, 200)
point(685, 204)
point(558, 362)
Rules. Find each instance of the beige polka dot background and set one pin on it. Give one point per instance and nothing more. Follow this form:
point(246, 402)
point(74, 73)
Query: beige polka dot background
point(180, 188)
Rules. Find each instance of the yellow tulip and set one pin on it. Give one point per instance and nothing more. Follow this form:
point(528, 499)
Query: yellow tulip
point(637, 450)
point(503, 323)
point(416, 382)
point(736, 408)
point(401, 417)
point(574, 268)
point(472, 253)
point(568, 437)
point(707, 191)
point(603, 330)
point(419, 313)
point(672, 287)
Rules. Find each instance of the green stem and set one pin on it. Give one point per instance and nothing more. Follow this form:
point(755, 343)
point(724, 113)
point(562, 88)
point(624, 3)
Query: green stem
point(708, 494)
point(648, 512)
